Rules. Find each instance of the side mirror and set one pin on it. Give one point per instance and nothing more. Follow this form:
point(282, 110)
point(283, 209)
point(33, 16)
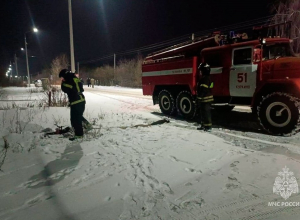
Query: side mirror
point(257, 55)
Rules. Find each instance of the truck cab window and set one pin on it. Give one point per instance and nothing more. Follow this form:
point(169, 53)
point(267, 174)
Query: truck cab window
point(242, 56)
point(214, 59)
point(277, 50)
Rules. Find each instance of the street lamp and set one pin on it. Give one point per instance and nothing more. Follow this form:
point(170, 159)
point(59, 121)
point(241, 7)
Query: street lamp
point(71, 37)
point(28, 78)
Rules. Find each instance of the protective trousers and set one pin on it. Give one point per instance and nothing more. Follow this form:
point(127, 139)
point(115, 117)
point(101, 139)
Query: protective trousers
point(77, 117)
point(205, 111)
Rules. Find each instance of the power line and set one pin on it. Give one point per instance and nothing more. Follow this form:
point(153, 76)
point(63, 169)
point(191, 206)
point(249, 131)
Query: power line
point(98, 59)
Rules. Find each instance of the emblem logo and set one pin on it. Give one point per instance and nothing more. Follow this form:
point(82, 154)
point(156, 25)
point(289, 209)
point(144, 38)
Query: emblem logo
point(285, 184)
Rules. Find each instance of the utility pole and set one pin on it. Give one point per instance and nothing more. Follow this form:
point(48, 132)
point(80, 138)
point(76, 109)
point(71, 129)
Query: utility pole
point(71, 38)
point(11, 72)
point(16, 63)
point(114, 63)
point(28, 76)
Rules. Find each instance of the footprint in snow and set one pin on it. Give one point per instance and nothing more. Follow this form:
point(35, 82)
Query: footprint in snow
point(168, 190)
point(233, 183)
point(39, 198)
point(192, 170)
point(232, 178)
point(107, 199)
point(190, 203)
point(231, 186)
point(174, 159)
point(188, 184)
point(234, 164)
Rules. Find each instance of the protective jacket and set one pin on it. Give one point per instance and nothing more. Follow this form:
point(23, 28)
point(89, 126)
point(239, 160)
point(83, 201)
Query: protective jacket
point(74, 89)
point(204, 87)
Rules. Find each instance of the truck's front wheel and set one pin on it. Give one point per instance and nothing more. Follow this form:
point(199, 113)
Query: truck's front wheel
point(166, 102)
point(185, 105)
point(278, 113)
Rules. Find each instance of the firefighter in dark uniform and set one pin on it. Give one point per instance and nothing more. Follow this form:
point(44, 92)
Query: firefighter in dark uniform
point(73, 87)
point(205, 97)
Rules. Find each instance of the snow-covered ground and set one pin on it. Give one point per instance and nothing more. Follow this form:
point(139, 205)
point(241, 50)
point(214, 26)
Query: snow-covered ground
point(127, 168)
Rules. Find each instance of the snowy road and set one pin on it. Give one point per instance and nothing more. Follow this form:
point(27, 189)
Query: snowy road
point(239, 123)
point(133, 168)
point(136, 93)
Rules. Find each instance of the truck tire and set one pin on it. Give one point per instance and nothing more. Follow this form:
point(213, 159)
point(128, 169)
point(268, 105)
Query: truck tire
point(278, 113)
point(166, 102)
point(185, 105)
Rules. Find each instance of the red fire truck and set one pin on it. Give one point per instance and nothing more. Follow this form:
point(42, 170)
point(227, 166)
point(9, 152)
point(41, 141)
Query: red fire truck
point(263, 74)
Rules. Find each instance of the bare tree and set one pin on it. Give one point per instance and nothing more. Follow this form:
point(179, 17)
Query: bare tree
point(288, 10)
point(58, 63)
point(129, 72)
point(104, 74)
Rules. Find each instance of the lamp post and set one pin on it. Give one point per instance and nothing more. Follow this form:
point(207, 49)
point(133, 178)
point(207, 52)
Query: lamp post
point(71, 37)
point(10, 69)
point(16, 64)
point(28, 76)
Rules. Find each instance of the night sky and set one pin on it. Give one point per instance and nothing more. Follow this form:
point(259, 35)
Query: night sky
point(103, 27)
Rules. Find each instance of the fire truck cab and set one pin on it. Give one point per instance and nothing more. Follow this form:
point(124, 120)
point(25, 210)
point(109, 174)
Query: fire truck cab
point(263, 74)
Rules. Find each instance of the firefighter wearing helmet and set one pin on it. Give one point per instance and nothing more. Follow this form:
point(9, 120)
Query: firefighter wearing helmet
point(73, 87)
point(205, 97)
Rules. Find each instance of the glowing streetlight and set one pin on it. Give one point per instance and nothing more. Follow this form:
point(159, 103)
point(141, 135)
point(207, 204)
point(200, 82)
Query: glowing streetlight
point(22, 48)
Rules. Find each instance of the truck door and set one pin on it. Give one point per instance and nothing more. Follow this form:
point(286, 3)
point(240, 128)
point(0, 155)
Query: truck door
point(242, 80)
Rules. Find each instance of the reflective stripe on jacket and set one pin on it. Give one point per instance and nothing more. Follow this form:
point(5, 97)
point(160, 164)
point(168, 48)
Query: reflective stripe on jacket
point(204, 88)
point(206, 99)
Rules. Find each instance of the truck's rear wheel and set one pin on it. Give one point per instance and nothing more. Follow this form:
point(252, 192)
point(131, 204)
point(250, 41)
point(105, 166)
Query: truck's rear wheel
point(166, 102)
point(185, 105)
point(278, 113)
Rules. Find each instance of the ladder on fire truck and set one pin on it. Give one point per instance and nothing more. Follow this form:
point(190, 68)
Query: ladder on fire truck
point(216, 39)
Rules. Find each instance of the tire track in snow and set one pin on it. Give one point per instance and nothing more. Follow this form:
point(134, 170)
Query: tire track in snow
point(247, 209)
point(132, 105)
point(291, 147)
point(121, 93)
point(244, 141)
